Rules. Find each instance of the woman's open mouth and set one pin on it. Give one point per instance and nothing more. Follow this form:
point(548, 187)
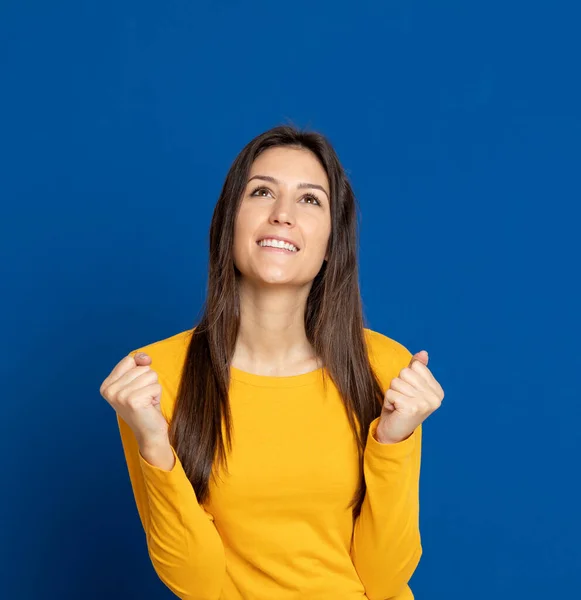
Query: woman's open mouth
point(275, 249)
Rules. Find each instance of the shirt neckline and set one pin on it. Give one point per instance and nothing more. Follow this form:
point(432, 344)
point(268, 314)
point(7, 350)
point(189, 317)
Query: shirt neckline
point(287, 381)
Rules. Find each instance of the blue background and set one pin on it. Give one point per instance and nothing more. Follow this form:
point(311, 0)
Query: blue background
point(459, 125)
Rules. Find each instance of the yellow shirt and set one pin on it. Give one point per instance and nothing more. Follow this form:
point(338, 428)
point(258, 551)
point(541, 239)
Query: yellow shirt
point(278, 526)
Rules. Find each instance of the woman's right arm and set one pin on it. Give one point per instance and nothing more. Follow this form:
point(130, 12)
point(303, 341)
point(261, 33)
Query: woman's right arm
point(183, 543)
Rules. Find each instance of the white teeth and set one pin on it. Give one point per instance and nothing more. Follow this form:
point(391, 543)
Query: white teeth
point(278, 244)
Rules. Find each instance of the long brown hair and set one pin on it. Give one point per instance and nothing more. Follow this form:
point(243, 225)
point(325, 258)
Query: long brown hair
point(334, 320)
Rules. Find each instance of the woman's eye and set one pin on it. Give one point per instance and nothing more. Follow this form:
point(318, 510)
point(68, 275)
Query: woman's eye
point(259, 189)
point(310, 197)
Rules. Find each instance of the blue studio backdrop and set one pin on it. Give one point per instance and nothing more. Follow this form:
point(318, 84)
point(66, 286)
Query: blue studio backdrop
point(459, 126)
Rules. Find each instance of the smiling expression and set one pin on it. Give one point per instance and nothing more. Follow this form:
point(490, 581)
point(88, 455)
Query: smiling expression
point(287, 196)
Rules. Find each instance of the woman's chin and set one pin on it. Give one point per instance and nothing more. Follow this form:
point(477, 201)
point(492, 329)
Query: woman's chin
point(276, 275)
point(275, 278)
point(272, 276)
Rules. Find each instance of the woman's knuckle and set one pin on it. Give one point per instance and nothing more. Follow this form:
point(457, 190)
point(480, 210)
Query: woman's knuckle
point(122, 395)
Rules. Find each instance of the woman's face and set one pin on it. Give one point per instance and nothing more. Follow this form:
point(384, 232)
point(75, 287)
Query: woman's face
point(274, 205)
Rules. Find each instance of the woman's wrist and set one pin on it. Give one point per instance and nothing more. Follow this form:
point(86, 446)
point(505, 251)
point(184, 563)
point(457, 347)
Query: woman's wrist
point(158, 453)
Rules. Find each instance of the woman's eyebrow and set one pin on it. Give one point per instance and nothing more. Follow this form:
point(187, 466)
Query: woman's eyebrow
point(299, 185)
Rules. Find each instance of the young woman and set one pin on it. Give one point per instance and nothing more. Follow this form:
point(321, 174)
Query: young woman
point(274, 448)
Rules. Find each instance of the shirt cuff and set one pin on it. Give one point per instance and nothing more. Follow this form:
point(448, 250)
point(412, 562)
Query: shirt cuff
point(397, 450)
point(153, 473)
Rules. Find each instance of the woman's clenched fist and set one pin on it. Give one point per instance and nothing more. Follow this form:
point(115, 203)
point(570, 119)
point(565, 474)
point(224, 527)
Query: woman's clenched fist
point(134, 392)
point(410, 400)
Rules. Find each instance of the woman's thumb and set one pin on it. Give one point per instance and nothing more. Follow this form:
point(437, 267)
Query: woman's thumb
point(142, 359)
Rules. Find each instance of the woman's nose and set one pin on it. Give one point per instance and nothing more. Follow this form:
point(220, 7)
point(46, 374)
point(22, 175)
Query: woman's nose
point(282, 212)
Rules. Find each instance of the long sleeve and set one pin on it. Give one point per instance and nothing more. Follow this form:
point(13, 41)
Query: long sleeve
point(183, 543)
point(386, 546)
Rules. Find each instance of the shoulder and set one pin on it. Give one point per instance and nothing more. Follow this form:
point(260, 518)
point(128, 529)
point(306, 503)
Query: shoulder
point(386, 355)
point(167, 350)
point(167, 360)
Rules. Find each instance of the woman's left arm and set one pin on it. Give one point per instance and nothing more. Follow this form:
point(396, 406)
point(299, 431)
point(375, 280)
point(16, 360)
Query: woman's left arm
point(386, 546)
